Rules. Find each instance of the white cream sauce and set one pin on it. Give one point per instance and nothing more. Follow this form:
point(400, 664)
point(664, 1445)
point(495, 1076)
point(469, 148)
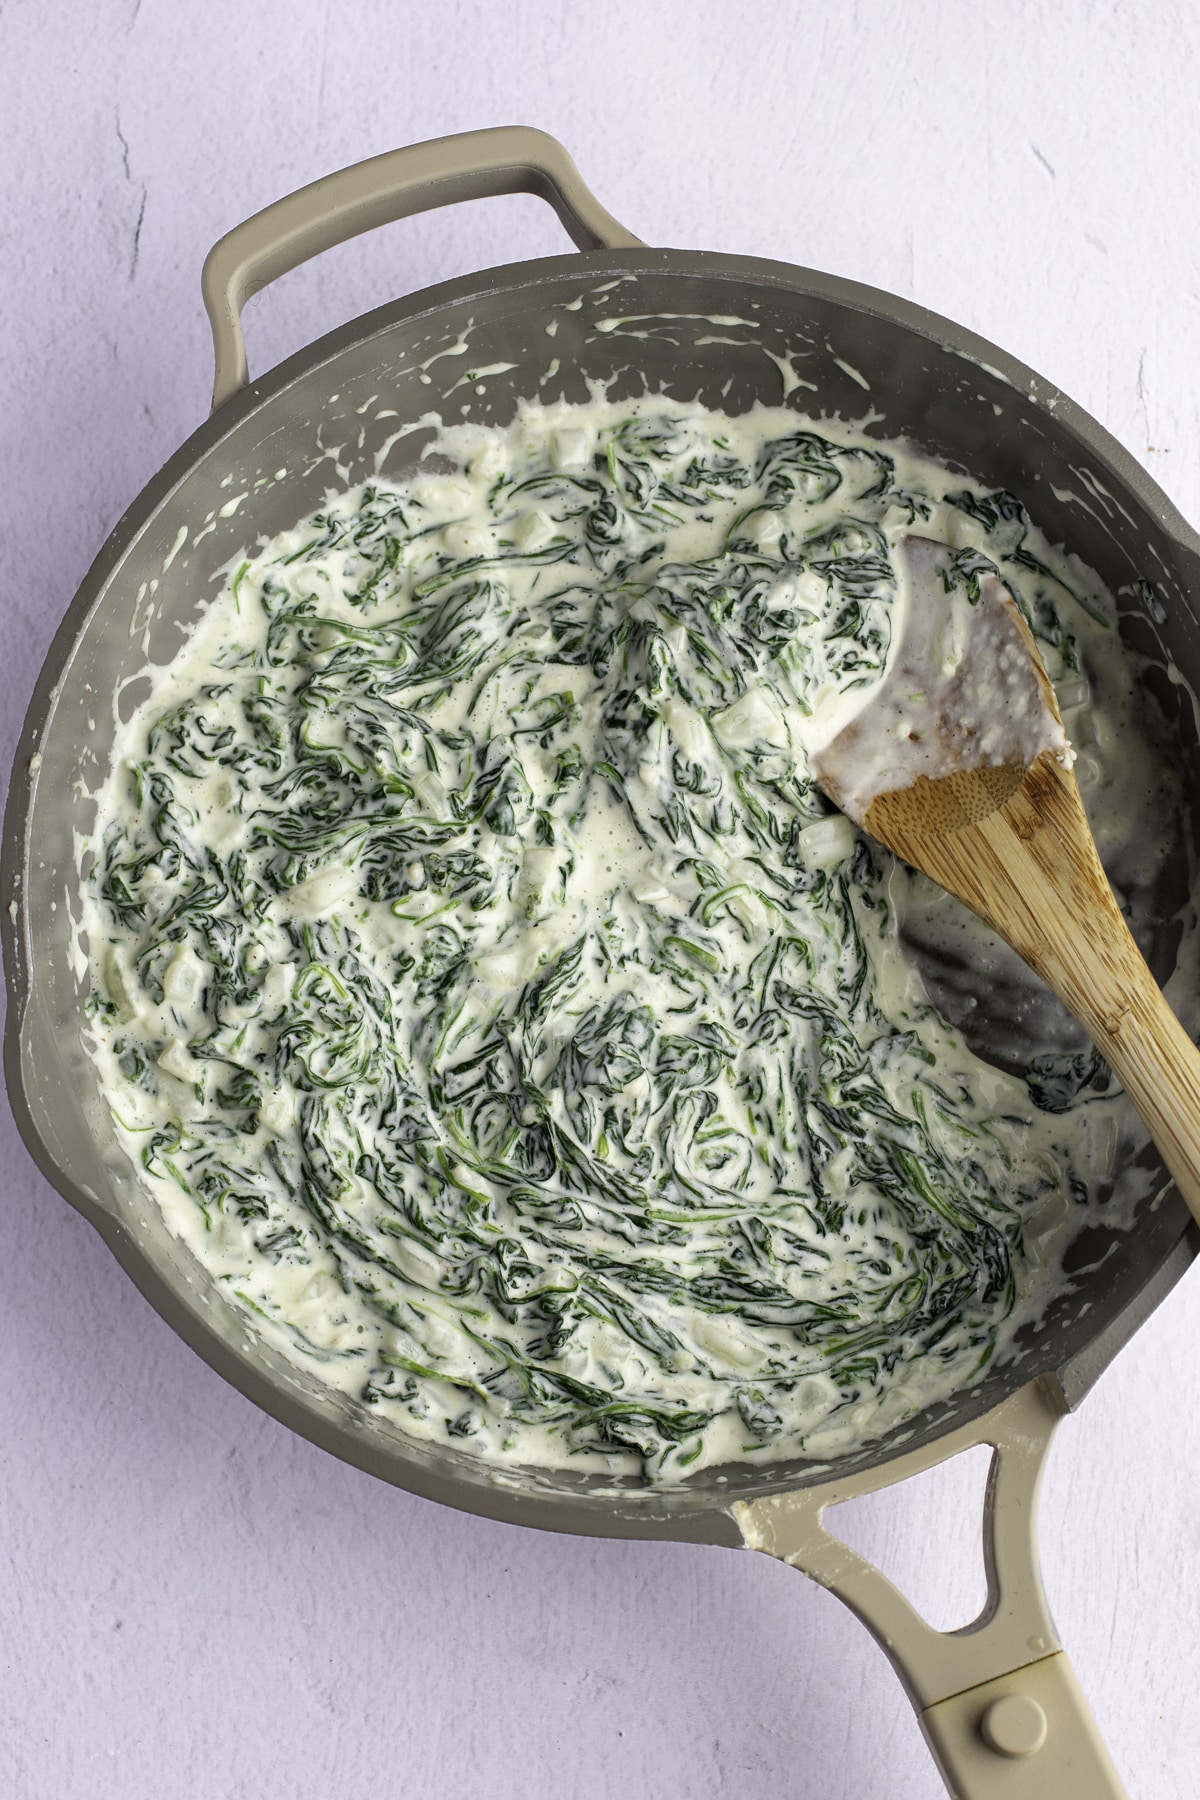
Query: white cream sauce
point(487, 995)
point(961, 691)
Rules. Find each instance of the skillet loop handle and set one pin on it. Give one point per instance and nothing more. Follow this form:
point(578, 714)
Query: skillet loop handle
point(998, 1701)
point(474, 165)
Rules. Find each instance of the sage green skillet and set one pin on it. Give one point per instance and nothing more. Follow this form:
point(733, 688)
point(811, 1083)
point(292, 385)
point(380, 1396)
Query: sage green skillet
point(998, 1702)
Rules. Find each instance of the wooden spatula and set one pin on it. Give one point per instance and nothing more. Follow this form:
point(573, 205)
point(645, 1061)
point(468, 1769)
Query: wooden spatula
point(959, 764)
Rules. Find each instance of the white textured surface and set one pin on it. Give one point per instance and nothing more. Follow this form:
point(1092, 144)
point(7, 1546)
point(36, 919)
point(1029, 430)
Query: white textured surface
point(194, 1603)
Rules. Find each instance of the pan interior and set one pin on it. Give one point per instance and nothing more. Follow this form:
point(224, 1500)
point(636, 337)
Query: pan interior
point(728, 334)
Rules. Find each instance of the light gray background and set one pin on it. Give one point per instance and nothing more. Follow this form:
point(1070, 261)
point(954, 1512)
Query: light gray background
point(194, 1603)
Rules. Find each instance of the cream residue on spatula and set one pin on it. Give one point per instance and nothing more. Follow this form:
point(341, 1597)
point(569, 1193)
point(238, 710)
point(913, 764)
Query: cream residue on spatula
point(964, 689)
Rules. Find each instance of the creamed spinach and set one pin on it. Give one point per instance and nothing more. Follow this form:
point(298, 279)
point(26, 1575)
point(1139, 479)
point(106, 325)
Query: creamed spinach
point(491, 1000)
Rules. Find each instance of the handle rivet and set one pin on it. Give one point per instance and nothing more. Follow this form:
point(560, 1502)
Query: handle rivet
point(1014, 1725)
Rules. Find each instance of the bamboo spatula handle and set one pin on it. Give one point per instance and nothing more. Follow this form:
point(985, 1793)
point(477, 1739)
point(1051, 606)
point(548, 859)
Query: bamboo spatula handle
point(1148, 1050)
point(1030, 869)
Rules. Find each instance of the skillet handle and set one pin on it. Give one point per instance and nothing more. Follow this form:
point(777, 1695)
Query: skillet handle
point(474, 165)
point(1029, 1735)
point(998, 1702)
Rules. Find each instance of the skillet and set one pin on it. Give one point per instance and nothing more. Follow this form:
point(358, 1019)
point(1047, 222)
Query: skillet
point(997, 1701)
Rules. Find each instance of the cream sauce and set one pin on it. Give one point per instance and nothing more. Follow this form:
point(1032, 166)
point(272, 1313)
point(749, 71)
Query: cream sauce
point(961, 690)
point(487, 995)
